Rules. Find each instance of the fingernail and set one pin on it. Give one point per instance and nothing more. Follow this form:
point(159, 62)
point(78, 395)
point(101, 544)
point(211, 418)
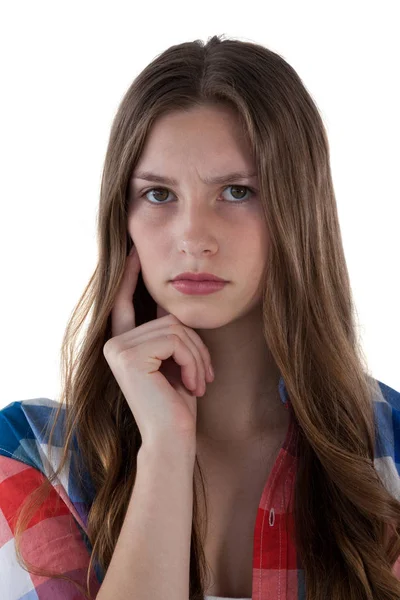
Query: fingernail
point(211, 371)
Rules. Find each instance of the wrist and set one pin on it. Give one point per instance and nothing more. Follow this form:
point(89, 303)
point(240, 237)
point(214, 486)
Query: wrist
point(176, 448)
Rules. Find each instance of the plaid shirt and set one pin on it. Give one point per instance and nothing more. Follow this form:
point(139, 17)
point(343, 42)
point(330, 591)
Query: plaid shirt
point(56, 537)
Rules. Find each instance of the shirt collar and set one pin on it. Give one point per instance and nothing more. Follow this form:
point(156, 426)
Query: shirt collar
point(283, 391)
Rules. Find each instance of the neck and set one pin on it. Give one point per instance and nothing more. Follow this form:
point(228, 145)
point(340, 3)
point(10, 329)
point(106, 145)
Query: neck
point(243, 401)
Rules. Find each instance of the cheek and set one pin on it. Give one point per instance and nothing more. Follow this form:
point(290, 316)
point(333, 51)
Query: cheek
point(256, 252)
point(261, 240)
point(151, 251)
point(254, 238)
point(147, 237)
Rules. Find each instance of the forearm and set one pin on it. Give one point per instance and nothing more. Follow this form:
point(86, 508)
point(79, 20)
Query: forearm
point(151, 559)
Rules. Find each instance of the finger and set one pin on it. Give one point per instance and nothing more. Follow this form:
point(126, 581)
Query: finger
point(141, 332)
point(123, 312)
point(138, 338)
point(204, 351)
point(159, 348)
point(181, 330)
point(143, 364)
point(154, 325)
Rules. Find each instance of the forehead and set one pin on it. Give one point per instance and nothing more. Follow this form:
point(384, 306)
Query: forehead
point(208, 180)
point(207, 140)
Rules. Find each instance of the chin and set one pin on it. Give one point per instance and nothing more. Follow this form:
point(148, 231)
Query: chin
point(201, 318)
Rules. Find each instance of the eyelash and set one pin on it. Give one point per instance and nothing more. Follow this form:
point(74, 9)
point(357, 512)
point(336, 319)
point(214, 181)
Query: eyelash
point(251, 190)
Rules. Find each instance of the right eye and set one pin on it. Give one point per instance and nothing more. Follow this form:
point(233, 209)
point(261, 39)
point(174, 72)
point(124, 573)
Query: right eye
point(152, 190)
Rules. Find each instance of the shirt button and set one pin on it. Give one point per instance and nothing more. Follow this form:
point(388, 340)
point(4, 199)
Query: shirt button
point(271, 517)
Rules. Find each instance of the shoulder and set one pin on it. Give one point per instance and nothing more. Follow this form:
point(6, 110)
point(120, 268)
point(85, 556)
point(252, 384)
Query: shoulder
point(387, 436)
point(387, 416)
point(25, 427)
point(24, 430)
point(59, 528)
point(390, 395)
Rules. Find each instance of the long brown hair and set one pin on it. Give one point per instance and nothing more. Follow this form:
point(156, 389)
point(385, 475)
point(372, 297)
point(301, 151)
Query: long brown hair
point(342, 510)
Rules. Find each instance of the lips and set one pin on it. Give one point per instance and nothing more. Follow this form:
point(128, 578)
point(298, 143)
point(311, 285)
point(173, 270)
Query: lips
point(198, 277)
point(198, 287)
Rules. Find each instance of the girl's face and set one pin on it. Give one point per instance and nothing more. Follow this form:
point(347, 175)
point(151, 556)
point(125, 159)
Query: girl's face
point(193, 224)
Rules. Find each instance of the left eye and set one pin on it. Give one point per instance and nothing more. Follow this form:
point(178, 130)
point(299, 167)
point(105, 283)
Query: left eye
point(234, 187)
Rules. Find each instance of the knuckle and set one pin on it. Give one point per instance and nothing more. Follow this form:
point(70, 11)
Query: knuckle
point(178, 328)
point(173, 336)
point(127, 356)
point(172, 318)
point(107, 348)
point(206, 352)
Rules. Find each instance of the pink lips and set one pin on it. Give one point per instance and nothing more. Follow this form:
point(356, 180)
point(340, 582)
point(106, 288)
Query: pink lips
point(198, 277)
point(191, 287)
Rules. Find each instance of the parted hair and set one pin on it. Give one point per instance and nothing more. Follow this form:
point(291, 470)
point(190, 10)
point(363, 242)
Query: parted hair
point(346, 521)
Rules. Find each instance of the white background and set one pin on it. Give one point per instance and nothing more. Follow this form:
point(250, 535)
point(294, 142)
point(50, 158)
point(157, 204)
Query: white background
point(64, 69)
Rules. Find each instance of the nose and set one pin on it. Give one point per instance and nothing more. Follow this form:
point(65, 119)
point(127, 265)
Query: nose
point(197, 241)
point(196, 236)
point(195, 248)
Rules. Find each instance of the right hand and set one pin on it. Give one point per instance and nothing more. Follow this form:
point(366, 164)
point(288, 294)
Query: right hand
point(163, 404)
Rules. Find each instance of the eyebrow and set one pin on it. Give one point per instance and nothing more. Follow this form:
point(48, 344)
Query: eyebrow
point(220, 179)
